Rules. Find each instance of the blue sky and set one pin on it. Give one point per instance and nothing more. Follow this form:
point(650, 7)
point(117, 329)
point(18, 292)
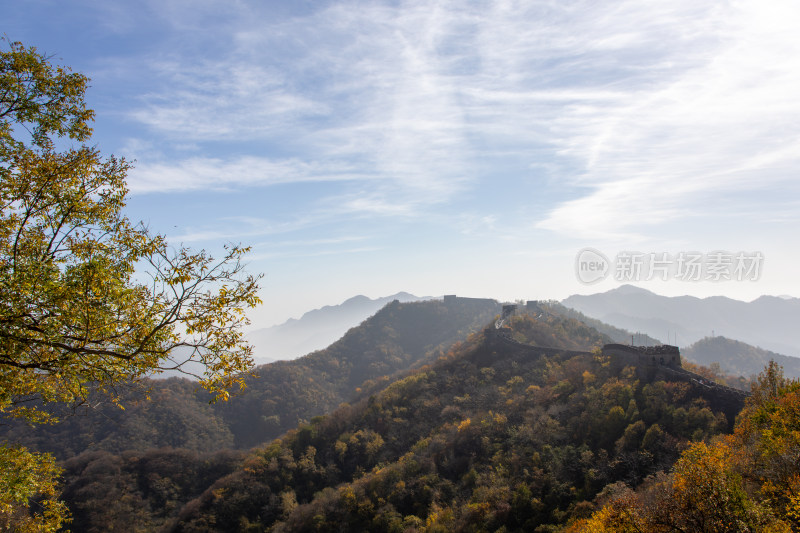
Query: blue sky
point(447, 147)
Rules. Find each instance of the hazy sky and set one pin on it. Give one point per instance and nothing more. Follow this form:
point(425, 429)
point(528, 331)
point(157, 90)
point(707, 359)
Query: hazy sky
point(447, 147)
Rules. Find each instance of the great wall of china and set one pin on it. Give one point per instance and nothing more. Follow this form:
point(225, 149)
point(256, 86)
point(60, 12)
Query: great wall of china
point(650, 362)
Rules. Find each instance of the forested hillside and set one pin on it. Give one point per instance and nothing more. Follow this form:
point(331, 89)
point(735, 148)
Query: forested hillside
point(735, 357)
point(279, 397)
point(396, 338)
point(483, 438)
point(743, 482)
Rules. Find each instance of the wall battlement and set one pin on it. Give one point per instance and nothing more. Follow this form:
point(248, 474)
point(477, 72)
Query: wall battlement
point(663, 355)
point(650, 362)
point(453, 299)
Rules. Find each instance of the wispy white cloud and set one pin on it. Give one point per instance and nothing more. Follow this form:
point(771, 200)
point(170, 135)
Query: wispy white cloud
point(218, 173)
point(246, 228)
point(222, 101)
point(639, 110)
point(313, 252)
point(359, 88)
point(685, 142)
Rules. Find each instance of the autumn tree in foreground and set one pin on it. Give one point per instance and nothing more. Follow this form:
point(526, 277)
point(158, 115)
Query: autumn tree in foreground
point(88, 298)
point(745, 482)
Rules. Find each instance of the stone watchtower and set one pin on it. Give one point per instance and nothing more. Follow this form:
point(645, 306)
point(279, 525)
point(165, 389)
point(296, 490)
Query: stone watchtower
point(646, 359)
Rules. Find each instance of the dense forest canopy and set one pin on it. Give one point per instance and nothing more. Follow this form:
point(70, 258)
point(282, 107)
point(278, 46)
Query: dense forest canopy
point(482, 438)
point(279, 396)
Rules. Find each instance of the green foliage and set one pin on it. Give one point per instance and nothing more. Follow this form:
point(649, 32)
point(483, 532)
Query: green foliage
point(555, 330)
point(86, 295)
point(103, 490)
point(399, 336)
point(175, 413)
point(163, 413)
point(481, 440)
point(744, 482)
point(767, 437)
point(89, 299)
point(138, 491)
point(29, 477)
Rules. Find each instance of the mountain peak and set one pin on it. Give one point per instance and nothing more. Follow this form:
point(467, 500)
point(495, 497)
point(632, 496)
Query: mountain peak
point(357, 299)
point(317, 328)
point(630, 289)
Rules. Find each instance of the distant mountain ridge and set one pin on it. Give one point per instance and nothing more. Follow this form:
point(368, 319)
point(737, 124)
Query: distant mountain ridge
point(619, 335)
point(769, 321)
point(318, 328)
point(739, 358)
